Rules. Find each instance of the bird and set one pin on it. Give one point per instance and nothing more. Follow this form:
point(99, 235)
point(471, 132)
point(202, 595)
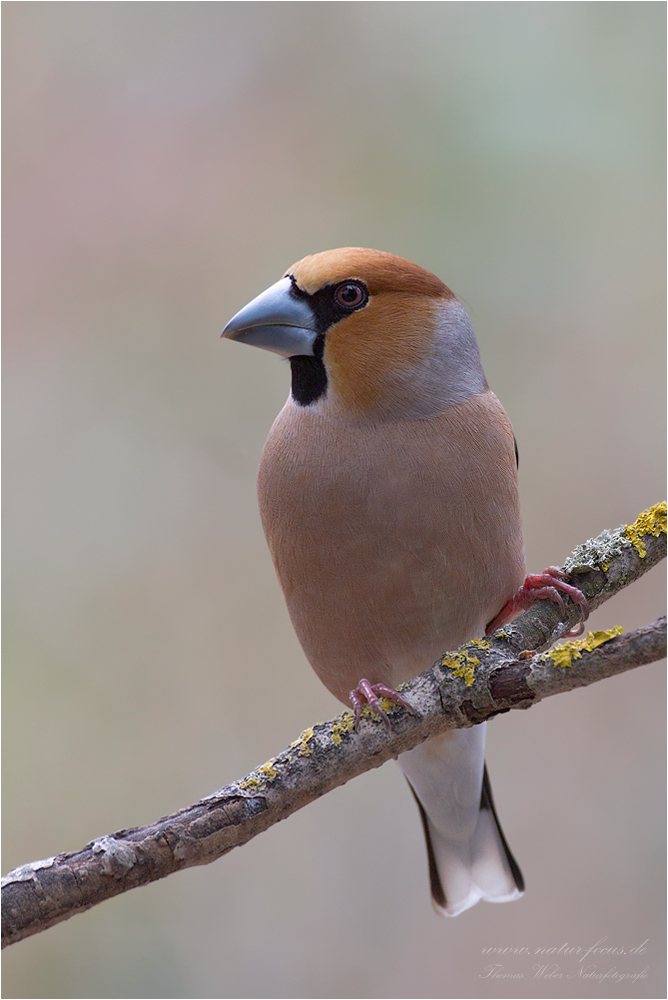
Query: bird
point(388, 495)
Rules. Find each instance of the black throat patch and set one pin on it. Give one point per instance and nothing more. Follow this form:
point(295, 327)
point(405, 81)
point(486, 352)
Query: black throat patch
point(309, 377)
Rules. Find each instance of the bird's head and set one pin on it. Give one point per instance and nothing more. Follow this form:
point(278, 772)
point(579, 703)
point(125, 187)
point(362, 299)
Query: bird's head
point(367, 333)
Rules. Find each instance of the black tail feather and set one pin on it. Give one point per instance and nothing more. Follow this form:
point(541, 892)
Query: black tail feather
point(487, 802)
point(434, 878)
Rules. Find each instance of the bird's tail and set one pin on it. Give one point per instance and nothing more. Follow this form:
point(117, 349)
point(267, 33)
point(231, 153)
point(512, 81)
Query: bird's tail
point(469, 858)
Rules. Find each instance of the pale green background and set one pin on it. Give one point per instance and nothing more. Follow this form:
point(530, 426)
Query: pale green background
point(165, 162)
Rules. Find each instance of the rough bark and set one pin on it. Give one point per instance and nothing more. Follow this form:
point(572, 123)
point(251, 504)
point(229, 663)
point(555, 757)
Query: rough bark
point(480, 680)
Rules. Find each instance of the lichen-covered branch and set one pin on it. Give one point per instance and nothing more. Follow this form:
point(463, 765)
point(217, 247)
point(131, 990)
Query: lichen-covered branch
point(480, 680)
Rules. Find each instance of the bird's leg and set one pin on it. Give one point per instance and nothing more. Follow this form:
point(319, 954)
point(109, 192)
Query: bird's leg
point(543, 586)
point(371, 693)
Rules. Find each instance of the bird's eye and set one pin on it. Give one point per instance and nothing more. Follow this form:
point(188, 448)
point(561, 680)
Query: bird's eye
point(350, 295)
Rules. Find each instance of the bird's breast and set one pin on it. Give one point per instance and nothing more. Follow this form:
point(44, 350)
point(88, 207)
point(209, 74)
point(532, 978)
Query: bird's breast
point(393, 542)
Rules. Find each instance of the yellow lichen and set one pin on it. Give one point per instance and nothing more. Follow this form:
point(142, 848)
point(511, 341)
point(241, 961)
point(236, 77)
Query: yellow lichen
point(481, 643)
point(387, 705)
point(503, 633)
point(257, 779)
point(599, 552)
point(650, 522)
point(567, 652)
point(268, 770)
point(344, 725)
point(302, 743)
point(252, 783)
point(462, 663)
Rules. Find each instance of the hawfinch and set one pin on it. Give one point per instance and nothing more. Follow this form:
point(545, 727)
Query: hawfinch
point(388, 495)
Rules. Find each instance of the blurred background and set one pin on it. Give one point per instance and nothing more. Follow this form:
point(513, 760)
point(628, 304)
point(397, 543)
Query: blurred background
point(164, 163)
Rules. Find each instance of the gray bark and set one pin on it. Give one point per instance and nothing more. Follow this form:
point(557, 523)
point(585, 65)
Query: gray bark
point(482, 679)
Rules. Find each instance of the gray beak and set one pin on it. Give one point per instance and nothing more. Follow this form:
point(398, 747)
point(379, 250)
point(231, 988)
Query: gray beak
point(276, 320)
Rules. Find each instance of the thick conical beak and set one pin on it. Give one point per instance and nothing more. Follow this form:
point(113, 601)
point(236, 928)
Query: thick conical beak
point(276, 320)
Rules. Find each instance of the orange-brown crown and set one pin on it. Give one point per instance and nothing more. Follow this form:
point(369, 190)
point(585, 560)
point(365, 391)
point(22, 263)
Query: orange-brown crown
point(381, 272)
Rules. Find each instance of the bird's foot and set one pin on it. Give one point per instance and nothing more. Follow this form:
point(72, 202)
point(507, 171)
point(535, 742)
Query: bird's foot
point(543, 586)
point(574, 632)
point(371, 694)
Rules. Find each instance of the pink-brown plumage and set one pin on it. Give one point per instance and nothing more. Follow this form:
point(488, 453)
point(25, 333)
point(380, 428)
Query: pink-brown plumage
point(393, 542)
point(388, 494)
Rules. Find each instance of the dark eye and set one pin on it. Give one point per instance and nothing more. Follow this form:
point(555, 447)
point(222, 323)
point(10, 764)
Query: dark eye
point(350, 295)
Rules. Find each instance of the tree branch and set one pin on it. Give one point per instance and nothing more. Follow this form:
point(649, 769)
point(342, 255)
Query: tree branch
point(480, 680)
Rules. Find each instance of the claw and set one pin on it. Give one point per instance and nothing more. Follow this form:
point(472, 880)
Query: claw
point(543, 586)
point(371, 693)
